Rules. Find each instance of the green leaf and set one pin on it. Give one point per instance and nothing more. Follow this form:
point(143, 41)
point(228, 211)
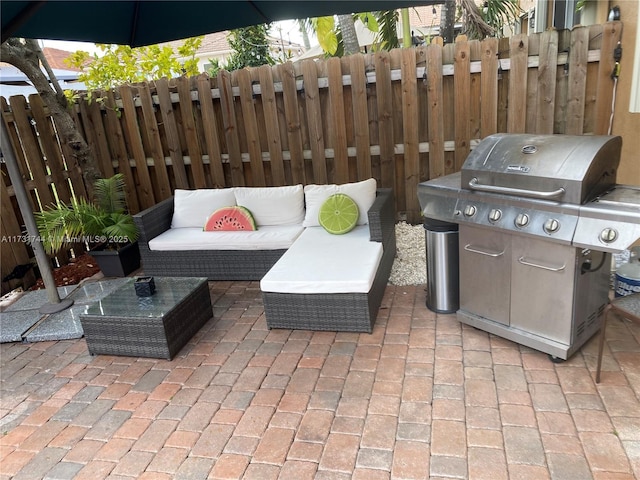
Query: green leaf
point(326, 34)
point(369, 21)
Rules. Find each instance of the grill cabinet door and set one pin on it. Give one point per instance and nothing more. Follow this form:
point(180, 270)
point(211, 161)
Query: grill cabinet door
point(485, 273)
point(543, 279)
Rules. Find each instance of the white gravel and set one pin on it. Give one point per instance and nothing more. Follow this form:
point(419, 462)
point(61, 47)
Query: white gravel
point(410, 265)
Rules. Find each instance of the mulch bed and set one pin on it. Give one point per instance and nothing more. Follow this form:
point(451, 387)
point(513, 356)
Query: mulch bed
point(72, 273)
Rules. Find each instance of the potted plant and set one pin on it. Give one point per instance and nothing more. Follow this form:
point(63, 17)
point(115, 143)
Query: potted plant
point(103, 225)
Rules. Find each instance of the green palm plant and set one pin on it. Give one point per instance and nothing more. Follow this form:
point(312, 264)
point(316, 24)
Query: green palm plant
point(105, 221)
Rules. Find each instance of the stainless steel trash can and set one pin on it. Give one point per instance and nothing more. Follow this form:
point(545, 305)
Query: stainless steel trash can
point(443, 283)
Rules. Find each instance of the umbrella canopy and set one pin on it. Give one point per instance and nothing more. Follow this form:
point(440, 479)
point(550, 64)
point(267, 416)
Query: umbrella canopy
point(138, 23)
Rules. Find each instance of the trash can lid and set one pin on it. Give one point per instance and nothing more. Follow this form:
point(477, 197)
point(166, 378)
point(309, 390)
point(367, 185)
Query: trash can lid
point(434, 225)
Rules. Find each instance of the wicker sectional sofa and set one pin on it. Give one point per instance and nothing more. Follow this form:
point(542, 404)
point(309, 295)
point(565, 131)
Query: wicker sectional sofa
point(324, 310)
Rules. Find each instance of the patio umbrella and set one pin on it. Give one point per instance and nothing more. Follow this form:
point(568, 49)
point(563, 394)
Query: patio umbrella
point(138, 23)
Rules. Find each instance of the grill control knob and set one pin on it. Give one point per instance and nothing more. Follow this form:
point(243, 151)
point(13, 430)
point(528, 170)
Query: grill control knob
point(495, 215)
point(608, 235)
point(522, 220)
point(469, 211)
point(552, 225)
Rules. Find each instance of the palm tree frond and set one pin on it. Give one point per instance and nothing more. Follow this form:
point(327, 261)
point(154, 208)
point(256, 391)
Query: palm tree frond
point(122, 228)
point(388, 30)
point(87, 222)
point(110, 194)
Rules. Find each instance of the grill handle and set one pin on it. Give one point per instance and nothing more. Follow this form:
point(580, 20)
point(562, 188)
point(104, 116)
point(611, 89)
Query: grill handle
point(474, 185)
point(470, 248)
point(523, 261)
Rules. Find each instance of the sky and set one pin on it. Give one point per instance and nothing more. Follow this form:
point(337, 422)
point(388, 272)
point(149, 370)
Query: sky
point(70, 46)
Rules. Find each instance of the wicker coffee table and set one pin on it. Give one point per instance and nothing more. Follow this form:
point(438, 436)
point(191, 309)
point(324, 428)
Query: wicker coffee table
point(157, 326)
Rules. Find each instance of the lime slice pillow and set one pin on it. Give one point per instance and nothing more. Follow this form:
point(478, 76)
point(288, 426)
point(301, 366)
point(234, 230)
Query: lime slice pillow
point(338, 214)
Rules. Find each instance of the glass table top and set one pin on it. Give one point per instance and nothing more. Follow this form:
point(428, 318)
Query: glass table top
point(123, 302)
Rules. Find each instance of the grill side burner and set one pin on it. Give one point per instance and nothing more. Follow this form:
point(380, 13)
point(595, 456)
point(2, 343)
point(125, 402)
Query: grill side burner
point(537, 215)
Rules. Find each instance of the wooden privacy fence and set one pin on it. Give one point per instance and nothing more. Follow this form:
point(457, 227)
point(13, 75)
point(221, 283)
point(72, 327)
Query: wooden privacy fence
point(401, 117)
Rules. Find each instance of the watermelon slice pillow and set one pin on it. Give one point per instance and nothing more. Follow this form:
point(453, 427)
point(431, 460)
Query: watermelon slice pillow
point(230, 219)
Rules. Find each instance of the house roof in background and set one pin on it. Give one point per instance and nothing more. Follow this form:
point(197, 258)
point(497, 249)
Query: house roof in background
point(14, 82)
point(57, 57)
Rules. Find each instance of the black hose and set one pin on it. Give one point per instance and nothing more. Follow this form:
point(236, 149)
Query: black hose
point(586, 266)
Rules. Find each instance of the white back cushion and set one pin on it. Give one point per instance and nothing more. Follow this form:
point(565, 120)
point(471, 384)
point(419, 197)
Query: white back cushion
point(273, 205)
point(192, 207)
point(363, 193)
point(314, 197)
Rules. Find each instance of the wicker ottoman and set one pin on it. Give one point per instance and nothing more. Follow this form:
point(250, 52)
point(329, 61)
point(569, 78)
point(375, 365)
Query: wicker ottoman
point(328, 282)
point(157, 326)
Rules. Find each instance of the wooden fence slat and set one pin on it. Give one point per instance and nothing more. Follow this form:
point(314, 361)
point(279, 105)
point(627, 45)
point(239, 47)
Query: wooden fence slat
point(171, 133)
point(448, 105)
point(489, 88)
point(410, 127)
point(592, 86)
point(119, 150)
point(49, 142)
point(531, 101)
point(610, 38)
point(475, 91)
point(547, 82)
point(211, 131)
point(191, 134)
point(15, 140)
point(339, 140)
point(347, 100)
point(372, 118)
point(144, 188)
point(13, 251)
point(397, 122)
point(516, 120)
point(83, 121)
point(385, 120)
point(272, 125)
point(360, 116)
point(578, 54)
point(155, 147)
point(99, 145)
point(33, 155)
point(462, 100)
point(436, 112)
point(561, 83)
point(251, 128)
point(292, 114)
point(423, 113)
point(314, 122)
point(230, 127)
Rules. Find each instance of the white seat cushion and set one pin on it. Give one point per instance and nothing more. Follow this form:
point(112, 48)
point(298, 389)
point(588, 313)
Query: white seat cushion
point(319, 262)
point(266, 238)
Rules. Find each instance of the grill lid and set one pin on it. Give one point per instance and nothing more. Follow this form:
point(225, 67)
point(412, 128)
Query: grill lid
point(568, 168)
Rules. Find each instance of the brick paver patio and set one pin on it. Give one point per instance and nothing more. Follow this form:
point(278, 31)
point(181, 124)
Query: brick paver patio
point(421, 397)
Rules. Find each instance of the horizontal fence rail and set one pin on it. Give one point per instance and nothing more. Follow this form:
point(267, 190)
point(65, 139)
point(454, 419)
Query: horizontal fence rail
point(402, 117)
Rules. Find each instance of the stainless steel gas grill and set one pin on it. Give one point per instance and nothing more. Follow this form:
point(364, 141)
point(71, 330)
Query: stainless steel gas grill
point(538, 217)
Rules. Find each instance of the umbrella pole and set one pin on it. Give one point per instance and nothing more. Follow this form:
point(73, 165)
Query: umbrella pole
point(55, 304)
